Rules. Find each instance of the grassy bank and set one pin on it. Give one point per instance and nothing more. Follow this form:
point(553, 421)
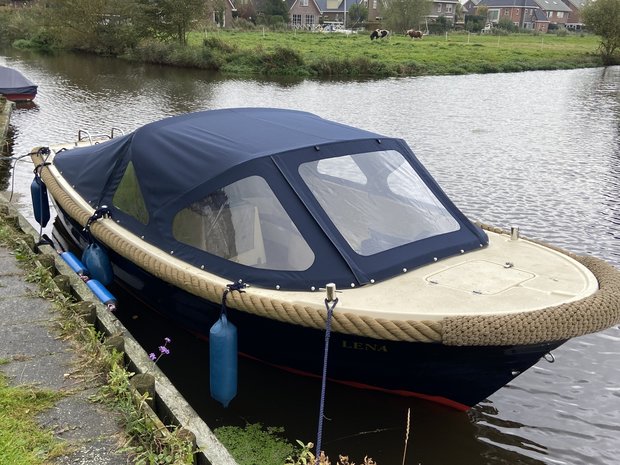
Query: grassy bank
point(308, 54)
point(22, 440)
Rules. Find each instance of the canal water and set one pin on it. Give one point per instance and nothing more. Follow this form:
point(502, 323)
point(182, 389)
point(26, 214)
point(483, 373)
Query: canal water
point(537, 150)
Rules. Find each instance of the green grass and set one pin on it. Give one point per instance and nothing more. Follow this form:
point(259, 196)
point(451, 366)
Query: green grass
point(22, 440)
point(334, 54)
point(254, 444)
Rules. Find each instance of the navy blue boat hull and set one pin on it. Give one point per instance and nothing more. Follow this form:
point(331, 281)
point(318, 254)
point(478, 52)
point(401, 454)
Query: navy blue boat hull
point(459, 377)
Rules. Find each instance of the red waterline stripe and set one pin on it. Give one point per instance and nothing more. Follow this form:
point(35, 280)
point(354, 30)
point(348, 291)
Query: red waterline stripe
point(437, 399)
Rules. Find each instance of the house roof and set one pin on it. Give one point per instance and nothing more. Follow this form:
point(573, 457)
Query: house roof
point(510, 3)
point(540, 16)
point(578, 4)
point(325, 5)
point(553, 5)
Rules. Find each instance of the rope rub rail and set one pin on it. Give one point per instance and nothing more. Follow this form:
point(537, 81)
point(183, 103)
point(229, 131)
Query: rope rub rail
point(594, 313)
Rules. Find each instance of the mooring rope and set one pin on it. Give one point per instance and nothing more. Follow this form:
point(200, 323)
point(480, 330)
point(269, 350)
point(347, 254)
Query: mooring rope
point(238, 286)
point(319, 436)
point(100, 212)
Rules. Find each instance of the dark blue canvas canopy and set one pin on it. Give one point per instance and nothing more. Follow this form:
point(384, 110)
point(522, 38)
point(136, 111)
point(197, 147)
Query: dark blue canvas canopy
point(181, 160)
point(13, 82)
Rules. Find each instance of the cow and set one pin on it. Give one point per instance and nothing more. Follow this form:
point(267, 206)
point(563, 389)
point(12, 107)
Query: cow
point(379, 34)
point(414, 34)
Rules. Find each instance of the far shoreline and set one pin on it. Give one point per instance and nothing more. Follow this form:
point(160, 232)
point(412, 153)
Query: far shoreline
point(335, 55)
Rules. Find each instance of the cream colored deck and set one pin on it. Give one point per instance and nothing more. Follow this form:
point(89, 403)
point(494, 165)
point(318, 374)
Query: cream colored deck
point(505, 277)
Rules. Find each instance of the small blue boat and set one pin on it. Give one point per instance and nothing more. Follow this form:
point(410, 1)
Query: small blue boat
point(429, 304)
point(15, 86)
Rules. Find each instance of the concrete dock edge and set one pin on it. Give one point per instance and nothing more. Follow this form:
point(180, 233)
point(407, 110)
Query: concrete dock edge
point(171, 405)
point(5, 115)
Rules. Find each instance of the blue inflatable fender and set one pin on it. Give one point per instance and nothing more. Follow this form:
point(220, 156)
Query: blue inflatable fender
point(223, 360)
point(101, 292)
point(40, 202)
point(96, 260)
point(74, 263)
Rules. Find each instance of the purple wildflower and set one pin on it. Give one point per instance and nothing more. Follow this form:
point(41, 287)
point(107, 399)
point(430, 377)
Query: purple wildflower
point(163, 350)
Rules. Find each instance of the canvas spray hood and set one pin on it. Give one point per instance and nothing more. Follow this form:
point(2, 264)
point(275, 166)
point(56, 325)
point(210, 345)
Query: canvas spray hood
point(180, 160)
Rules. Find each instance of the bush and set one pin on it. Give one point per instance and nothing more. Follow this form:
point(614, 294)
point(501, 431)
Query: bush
point(215, 43)
point(283, 60)
point(440, 26)
point(507, 25)
point(243, 24)
point(474, 23)
point(25, 27)
point(150, 51)
point(496, 31)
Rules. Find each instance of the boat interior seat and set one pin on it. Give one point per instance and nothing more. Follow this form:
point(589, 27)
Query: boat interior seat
point(235, 235)
point(248, 236)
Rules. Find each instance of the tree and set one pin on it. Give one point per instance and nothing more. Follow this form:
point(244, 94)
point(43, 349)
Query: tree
point(358, 14)
point(506, 24)
point(272, 12)
point(401, 15)
point(459, 12)
point(603, 18)
point(483, 10)
point(171, 19)
point(102, 26)
point(474, 23)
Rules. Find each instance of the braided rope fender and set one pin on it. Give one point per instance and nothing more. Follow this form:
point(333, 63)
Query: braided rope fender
point(594, 313)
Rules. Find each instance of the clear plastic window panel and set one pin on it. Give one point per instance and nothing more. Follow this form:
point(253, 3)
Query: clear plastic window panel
point(244, 222)
point(376, 200)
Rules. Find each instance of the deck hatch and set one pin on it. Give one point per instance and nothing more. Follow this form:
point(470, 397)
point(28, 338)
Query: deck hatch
point(480, 276)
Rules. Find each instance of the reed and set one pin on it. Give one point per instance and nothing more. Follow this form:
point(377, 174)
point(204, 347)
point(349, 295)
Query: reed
point(407, 435)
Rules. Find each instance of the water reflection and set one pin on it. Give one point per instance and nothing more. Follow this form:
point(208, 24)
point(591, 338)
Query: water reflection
point(538, 150)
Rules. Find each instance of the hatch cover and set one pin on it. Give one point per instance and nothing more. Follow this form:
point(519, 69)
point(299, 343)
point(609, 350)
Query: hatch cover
point(481, 277)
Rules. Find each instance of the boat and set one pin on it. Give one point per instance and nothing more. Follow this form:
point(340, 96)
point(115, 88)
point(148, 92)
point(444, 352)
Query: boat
point(14, 86)
point(428, 303)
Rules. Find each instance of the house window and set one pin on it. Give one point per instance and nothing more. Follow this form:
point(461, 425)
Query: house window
point(219, 18)
point(309, 20)
point(448, 8)
point(304, 2)
point(439, 8)
point(560, 14)
point(506, 12)
point(550, 14)
point(374, 4)
point(493, 15)
point(296, 20)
